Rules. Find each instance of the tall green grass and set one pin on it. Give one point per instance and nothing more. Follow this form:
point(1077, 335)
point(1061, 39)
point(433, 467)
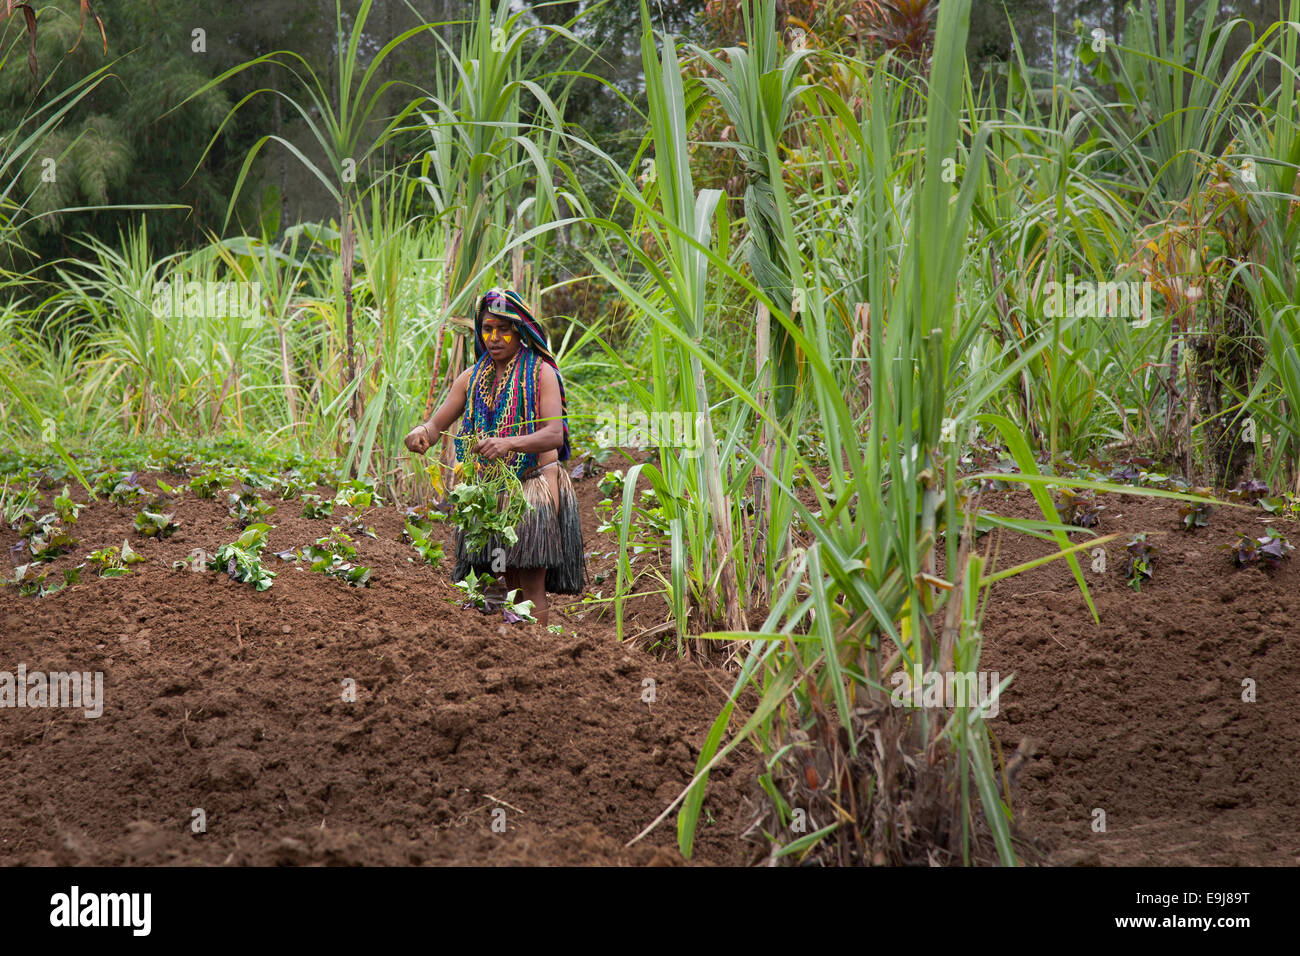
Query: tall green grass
point(898, 231)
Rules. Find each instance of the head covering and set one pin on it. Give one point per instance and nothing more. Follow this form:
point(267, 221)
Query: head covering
point(507, 304)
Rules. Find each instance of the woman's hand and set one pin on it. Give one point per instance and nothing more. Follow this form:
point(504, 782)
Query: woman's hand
point(418, 440)
point(493, 448)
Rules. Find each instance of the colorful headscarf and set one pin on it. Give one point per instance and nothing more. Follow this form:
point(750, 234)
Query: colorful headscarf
point(506, 304)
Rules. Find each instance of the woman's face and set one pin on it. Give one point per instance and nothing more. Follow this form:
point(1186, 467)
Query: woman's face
point(501, 338)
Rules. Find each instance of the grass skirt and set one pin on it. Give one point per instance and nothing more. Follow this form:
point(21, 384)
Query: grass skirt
point(546, 539)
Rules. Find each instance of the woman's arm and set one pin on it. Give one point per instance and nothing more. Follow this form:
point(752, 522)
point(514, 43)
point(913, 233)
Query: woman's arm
point(550, 434)
point(425, 435)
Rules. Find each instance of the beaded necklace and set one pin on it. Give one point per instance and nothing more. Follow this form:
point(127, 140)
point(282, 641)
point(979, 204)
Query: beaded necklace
point(507, 410)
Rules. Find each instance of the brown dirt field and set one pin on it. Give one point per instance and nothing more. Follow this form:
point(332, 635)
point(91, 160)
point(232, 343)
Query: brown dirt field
point(223, 698)
point(1143, 717)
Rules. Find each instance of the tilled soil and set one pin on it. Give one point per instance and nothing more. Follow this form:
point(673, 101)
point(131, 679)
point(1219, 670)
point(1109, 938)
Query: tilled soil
point(470, 741)
point(1142, 718)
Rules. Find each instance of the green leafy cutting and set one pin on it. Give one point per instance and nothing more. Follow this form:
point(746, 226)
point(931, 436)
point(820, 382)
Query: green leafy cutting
point(34, 585)
point(127, 491)
point(423, 516)
point(354, 524)
point(515, 611)
point(1196, 514)
point(325, 550)
point(247, 508)
point(354, 575)
point(206, 486)
point(153, 524)
point(354, 498)
point(1141, 556)
point(1268, 549)
point(255, 478)
point(357, 493)
point(1249, 492)
point(611, 484)
point(292, 485)
point(488, 503)
point(241, 559)
point(111, 562)
point(106, 481)
point(171, 491)
point(50, 542)
point(19, 505)
point(67, 508)
point(430, 551)
point(313, 506)
point(330, 554)
point(1079, 508)
point(474, 588)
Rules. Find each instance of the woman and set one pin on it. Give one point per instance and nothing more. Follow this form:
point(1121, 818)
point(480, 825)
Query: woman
point(513, 393)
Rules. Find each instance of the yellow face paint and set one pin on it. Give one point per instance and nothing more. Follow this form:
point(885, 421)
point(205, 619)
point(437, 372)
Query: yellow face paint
point(494, 333)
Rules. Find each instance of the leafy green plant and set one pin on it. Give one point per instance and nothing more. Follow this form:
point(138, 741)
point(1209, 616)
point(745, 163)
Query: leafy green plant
point(1079, 508)
point(335, 544)
point(355, 575)
point(515, 611)
point(67, 508)
point(207, 486)
point(168, 491)
point(1196, 514)
point(50, 542)
point(652, 522)
point(356, 525)
point(611, 485)
point(291, 486)
point(130, 555)
point(1126, 473)
point(1268, 549)
point(474, 590)
point(429, 551)
point(106, 481)
point(127, 491)
point(423, 516)
point(153, 524)
point(488, 503)
point(357, 493)
point(329, 556)
point(19, 504)
point(241, 559)
point(33, 585)
point(247, 508)
point(112, 562)
point(255, 478)
point(105, 560)
point(1249, 492)
point(313, 506)
point(179, 465)
point(1139, 565)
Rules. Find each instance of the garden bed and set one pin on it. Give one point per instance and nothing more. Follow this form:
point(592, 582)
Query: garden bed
point(230, 700)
